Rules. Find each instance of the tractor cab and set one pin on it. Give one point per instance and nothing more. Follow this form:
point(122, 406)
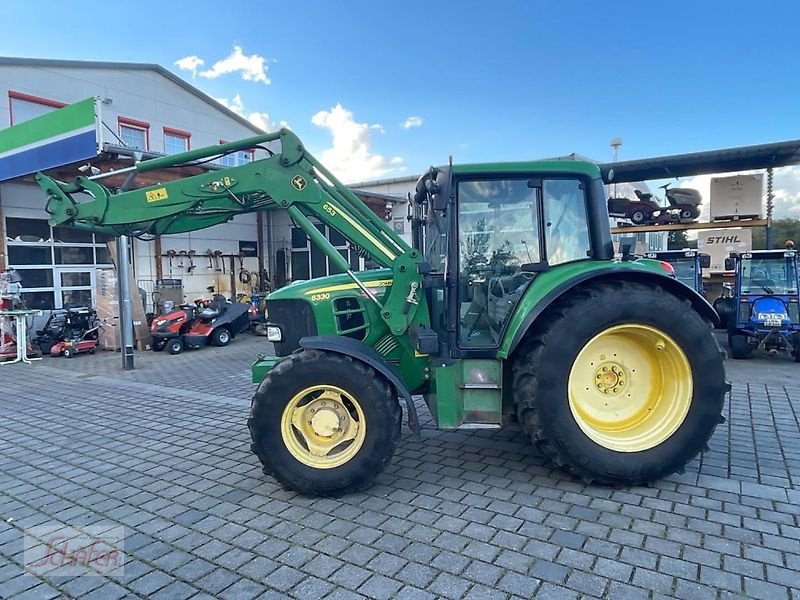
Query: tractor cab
point(766, 300)
point(688, 265)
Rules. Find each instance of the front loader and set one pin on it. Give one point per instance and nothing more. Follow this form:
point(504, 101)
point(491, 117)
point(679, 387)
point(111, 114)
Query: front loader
point(509, 304)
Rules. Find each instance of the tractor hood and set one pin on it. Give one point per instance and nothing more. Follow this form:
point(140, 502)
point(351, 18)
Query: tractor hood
point(376, 280)
point(769, 312)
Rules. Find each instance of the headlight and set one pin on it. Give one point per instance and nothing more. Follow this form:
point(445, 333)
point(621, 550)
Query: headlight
point(160, 322)
point(274, 333)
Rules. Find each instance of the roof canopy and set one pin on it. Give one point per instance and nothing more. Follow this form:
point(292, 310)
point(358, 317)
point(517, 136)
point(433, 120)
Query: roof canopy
point(762, 156)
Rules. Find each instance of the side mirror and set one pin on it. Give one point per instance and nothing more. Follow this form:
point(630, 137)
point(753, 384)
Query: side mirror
point(705, 261)
point(730, 264)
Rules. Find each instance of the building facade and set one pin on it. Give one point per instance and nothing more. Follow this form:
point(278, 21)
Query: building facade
point(143, 108)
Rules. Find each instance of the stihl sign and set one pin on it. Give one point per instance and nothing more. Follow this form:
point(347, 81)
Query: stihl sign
point(719, 243)
point(724, 239)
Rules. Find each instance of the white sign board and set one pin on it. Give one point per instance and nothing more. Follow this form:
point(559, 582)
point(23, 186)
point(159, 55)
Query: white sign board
point(719, 243)
point(739, 196)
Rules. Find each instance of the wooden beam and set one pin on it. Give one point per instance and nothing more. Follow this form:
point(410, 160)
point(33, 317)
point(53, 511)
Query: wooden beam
point(685, 226)
point(157, 257)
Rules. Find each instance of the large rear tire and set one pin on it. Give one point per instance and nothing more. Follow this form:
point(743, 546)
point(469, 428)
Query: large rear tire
point(324, 424)
point(622, 384)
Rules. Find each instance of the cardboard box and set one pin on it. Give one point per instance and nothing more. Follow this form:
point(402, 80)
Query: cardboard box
point(737, 197)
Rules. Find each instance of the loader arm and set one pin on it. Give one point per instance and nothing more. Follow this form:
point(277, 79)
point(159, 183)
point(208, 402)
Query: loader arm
point(291, 180)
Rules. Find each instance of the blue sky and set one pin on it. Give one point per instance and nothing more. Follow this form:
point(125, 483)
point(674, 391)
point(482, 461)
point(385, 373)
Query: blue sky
point(487, 80)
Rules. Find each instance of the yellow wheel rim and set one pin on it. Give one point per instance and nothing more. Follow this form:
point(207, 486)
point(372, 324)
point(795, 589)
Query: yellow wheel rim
point(630, 388)
point(323, 427)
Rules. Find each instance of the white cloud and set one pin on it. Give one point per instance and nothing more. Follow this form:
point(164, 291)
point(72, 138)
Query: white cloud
point(412, 122)
point(190, 63)
point(252, 68)
point(350, 157)
point(259, 119)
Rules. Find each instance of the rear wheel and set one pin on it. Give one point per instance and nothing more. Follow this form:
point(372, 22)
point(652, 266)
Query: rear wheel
point(739, 346)
point(221, 336)
point(610, 386)
point(324, 424)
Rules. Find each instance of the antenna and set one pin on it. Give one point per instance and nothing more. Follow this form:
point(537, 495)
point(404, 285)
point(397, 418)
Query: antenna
point(615, 143)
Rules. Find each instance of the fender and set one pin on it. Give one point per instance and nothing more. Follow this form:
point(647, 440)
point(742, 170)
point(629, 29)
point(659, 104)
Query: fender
point(672, 285)
point(368, 355)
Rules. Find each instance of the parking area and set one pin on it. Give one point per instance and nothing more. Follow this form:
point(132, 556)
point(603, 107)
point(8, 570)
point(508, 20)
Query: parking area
point(163, 451)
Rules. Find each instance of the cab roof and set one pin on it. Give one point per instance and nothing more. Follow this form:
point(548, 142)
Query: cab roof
point(566, 166)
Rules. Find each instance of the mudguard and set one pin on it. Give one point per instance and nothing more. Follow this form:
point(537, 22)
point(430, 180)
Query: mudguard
point(368, 355)
point(672, 285)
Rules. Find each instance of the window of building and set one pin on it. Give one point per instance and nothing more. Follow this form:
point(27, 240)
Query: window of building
point(24, 107)
point(176, 141)
point(236, 159)
point(57, 265)
point(134, 134)
point(308, 261)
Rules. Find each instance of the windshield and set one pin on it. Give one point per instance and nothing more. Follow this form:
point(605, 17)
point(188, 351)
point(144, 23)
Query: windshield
point(769, 276)
point(684, 271)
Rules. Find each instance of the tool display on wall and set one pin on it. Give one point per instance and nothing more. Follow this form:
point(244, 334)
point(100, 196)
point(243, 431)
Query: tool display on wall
point(171, 254)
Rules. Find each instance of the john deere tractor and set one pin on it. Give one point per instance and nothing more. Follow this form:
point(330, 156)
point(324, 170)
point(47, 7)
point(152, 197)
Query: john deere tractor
point(508, 305)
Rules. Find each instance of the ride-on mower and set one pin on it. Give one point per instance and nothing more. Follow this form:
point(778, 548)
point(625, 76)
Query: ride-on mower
point(192, 326)
point(682, 207)
point(765, 315)
point(688, 265)
point(510, 303)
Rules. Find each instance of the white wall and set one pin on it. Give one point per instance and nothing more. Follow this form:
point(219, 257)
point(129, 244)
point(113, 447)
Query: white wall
point(225, 238)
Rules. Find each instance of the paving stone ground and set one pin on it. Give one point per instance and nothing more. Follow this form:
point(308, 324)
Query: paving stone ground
point(164, 452)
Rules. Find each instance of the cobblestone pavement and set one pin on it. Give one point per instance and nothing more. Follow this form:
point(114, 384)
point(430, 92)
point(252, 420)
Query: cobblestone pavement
point(163, 451)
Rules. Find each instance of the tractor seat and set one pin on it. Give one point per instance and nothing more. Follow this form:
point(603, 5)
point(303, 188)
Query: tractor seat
point(215, 308)
point(643, 196)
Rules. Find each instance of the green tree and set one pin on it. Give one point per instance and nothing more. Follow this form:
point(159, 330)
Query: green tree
point(676, 240)
point(782, 230)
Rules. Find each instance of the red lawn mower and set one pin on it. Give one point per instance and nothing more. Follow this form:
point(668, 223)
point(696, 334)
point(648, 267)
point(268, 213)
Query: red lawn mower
point(190, 326)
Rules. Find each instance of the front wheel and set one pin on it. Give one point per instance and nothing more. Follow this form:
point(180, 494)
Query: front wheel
point(639, 216)
point(175, 345)
point(623, 384)
point(159, 344)
point(740, 349)
point(324, 424)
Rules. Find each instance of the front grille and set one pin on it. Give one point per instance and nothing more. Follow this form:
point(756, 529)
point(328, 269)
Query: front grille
point(296, 319)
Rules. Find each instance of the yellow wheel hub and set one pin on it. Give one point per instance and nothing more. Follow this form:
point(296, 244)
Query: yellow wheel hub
point(630, 388)
point(323, 427)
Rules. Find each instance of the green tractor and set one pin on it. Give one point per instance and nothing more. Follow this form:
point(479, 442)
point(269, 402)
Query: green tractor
point(509, 304)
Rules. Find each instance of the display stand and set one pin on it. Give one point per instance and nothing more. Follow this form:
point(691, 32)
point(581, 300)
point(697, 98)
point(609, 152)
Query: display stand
point(21, 333)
